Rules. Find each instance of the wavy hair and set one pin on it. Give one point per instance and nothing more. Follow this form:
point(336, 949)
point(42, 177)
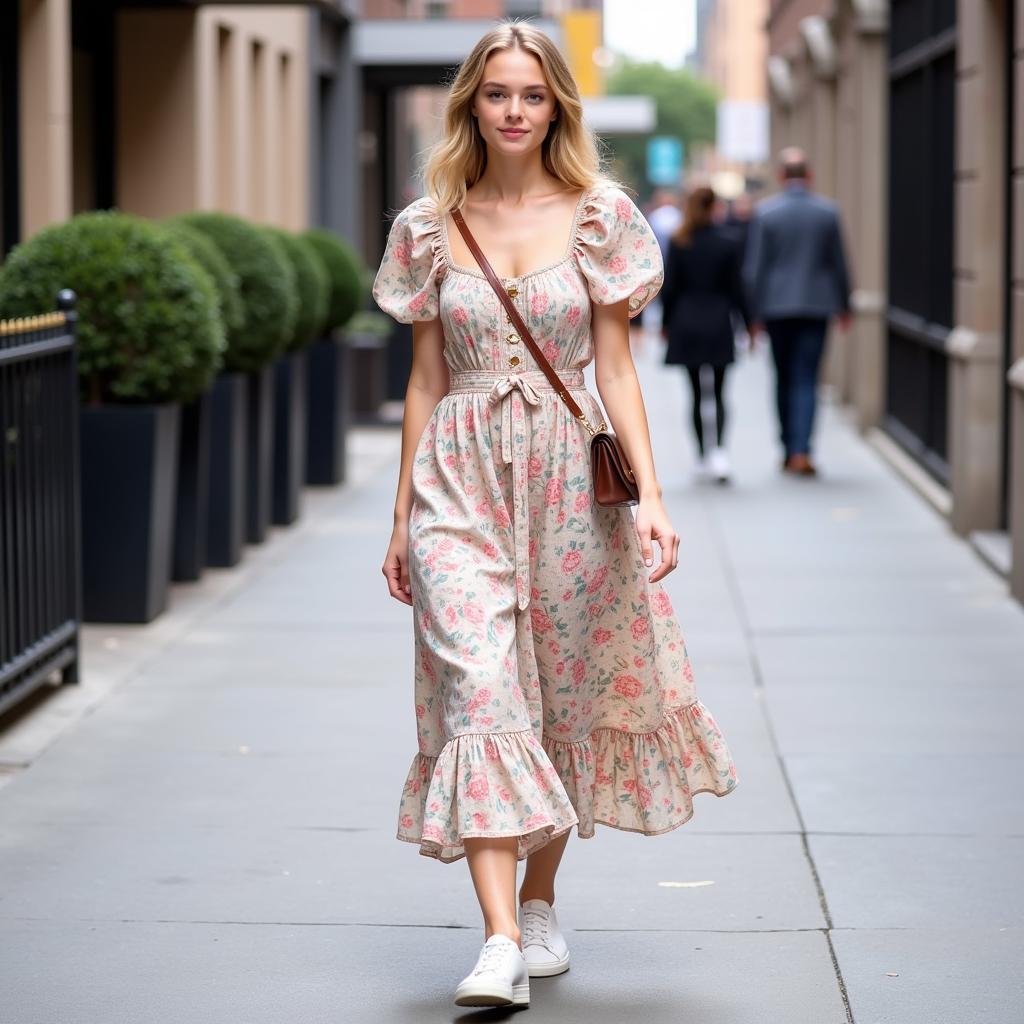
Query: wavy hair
point(569, 151)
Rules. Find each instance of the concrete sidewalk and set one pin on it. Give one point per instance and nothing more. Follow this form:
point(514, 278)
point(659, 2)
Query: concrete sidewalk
point(204, 832)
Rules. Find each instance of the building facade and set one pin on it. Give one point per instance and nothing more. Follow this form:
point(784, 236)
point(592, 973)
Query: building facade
point(912, 112)
point(161, 109)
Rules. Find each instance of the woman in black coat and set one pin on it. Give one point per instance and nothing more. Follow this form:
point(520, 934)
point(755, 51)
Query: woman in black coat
point(701, 292)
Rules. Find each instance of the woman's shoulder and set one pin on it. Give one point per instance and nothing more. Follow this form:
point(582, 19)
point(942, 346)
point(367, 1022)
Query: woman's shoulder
point(422, 212)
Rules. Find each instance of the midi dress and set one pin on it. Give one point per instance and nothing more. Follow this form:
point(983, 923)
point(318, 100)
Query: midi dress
point(552, 683)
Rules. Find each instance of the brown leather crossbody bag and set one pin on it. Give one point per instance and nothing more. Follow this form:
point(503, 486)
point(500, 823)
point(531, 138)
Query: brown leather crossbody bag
point(614, 483)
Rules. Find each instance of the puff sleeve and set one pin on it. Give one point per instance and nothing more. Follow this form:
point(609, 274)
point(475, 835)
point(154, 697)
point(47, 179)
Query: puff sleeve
point(406, 285)
point(617, 250)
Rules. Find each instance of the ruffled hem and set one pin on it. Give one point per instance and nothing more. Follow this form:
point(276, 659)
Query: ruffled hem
point(644, 782)
point(484, 785)
point(509, 784)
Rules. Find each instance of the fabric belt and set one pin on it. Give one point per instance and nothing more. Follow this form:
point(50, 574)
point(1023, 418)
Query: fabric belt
point(508, 388)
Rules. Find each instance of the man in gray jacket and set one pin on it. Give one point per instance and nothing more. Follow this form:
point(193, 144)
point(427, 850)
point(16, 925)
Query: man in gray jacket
point(796, 277)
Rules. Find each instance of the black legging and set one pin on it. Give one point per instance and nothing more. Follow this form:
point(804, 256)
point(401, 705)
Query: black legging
point(698, 421)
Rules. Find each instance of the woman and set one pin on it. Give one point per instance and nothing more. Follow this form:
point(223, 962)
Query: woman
point(553, 687)
point(702, 290)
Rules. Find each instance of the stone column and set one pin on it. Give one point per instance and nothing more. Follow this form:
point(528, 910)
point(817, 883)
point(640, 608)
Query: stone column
point(44, 95)
point(1016, 375)
point(976, 343)
point(867, 345)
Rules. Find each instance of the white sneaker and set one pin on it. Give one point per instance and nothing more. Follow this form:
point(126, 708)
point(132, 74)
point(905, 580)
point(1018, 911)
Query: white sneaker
point(718, 464)
point(499, 978)
point(701, 471)
point(544, 947)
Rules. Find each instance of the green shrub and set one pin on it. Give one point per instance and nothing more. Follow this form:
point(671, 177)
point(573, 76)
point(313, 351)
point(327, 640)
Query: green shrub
point(343, 269)
point(266, 284)
point(369, 321)
point(212, 260)
point(312, 286)
point(149, 327)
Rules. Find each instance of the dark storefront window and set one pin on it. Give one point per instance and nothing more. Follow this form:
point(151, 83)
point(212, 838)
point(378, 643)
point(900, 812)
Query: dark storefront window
point(921, 216)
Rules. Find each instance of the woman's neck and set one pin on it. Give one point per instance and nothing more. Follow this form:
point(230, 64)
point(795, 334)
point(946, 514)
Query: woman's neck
point(510, 182)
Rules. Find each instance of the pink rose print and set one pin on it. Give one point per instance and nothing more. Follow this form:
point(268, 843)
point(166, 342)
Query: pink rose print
point(579, 671)
point(571, 561)
point(617, 264)
point(490, 550)
point(628, 686)
point(553, 491)
point(538, 304)
point(573, 316)
point(561, 517)
point(504, 794)
point(480, 820)
point(582, 502)
point(643, 796)
point(639, 628)
point(661, 603)
point(541, 778)
point(629, 785)
point(468, 419)
point(402, 253)
point(483, 509)
point(550, 350)
point(460, 316)
point(473, 612)
point(501, 517)
point(534, 467)
point(451, 615)
point(477, 788)
point(417, 302)
point(601, 635)
point(406, 821)
point(623, 210)
point(535, 820)
point(491, 750)
point(597, 580)
point(540, 620)
point(479, 700)
point(420, 710)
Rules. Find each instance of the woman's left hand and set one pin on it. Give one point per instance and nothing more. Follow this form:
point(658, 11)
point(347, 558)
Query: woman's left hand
point(652, 523)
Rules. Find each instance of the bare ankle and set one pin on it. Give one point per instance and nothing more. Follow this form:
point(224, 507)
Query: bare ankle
point(547, 895)
point(511, 930)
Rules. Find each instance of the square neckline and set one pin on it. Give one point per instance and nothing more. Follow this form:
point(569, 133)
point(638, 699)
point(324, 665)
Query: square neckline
point(458, 268)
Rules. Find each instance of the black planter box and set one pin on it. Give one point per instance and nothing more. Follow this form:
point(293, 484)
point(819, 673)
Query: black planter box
point(192, 507)
point(290, 423)
point(229, 434)
point(399, 361)
point(330, 410)
point(129, 475)
point(259, 453)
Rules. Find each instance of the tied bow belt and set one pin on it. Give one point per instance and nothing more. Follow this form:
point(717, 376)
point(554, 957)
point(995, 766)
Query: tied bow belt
point(508, 388)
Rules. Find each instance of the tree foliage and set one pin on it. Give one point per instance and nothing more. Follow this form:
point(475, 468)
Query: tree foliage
point(685, 107)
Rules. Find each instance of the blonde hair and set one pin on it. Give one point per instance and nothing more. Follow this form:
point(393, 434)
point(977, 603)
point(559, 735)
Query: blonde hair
point(569, 151)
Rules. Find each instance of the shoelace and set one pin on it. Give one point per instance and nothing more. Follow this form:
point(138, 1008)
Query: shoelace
point(489, 957)
point(535, 928)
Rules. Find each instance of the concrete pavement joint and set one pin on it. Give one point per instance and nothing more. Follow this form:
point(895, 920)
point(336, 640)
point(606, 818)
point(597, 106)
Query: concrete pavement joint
point(732, 583)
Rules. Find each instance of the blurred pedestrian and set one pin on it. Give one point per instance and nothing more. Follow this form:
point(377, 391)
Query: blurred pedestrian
point(553, 688)
point(701, 293)
point(664, 216)
point(796, 276)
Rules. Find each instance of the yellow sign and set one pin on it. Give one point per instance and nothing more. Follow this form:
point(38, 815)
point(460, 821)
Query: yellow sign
point(581, 31)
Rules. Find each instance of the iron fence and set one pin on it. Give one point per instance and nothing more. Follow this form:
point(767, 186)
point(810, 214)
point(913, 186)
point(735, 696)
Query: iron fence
point(40, 574)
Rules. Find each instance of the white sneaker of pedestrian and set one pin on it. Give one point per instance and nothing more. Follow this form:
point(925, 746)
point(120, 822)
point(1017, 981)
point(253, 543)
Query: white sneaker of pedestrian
point(718, 464)
point(500, 977)
point(544, 946)
point(701, 472)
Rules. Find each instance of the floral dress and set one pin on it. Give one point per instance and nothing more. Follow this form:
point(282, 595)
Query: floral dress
point(553, 686)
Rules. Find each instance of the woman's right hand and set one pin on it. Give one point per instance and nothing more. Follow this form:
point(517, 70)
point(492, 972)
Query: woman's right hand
point(396, 568)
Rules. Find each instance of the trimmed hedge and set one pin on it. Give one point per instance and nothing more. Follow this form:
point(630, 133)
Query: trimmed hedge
point(312, 285)
point(212, 260)
point(149, 327)
point(343, 268)
point(266, 284)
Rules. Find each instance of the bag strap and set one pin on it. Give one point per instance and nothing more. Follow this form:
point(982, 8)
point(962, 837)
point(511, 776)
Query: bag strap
point(518, 322)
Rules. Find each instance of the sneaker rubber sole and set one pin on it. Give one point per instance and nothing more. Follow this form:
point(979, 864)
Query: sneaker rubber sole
point(482, 994)
point(548, 970)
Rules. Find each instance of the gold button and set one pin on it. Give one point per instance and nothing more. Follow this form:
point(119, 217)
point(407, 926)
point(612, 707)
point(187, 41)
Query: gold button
point(513, 291)
point(514, 361)
point(512, 338)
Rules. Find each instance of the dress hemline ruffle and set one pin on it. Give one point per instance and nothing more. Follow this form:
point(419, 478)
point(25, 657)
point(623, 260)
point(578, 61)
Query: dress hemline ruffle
point(633, 782)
